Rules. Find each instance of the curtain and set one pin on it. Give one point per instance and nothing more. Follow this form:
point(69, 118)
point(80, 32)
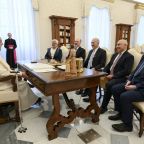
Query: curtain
point(17, 17)
point(99, 26)
point(140, 32)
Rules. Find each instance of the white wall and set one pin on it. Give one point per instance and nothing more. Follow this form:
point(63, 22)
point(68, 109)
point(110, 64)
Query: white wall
point(121, 12)
point(68, 8)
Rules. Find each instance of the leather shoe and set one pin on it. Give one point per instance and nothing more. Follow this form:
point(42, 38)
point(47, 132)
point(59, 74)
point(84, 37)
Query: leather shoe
point(39, 100)
point(103, 110)
point(84, 95)
point(122, 127)
point(115, 117)
point(86, 99)
point(78, 92)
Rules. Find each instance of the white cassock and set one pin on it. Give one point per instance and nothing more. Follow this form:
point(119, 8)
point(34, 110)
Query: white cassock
point(27, 97)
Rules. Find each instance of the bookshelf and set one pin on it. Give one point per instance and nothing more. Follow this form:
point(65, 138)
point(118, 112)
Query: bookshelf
point(63, 29)
point(123, 31)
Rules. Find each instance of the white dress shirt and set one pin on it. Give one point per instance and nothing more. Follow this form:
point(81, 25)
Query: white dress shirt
point(91, 58)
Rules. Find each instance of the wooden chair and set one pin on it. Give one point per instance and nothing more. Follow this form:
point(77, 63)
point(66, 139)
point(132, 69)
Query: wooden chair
point(104, 80)
point(139, 107)
point(10, 96)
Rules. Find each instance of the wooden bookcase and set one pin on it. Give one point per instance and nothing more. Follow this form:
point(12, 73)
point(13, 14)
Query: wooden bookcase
point(123, 31)
point(63, 29)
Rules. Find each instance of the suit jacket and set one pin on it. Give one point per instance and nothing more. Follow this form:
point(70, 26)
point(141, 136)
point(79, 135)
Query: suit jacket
point(57, 55)
point(10, 42)
point(123, 67)
point(99, 59)
point(138, 80)
point(81, 53)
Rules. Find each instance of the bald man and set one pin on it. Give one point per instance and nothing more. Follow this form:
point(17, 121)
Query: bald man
point(96, 57)
point(54, 54)
point(80, 52)
point(125, 94)
point(118, 69)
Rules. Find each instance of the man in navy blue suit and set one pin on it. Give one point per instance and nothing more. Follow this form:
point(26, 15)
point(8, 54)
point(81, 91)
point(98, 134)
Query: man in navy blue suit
point(80, 53)
point(54, 53)
point(126, 93)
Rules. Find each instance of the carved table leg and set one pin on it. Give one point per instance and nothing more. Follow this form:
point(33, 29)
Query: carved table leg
point(93, 103)
point(69, 102)
point(56, 120)
point(55, 117)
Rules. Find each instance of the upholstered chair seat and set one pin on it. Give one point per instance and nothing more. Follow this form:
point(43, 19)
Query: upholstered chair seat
point(9, 95)
point(139, 107)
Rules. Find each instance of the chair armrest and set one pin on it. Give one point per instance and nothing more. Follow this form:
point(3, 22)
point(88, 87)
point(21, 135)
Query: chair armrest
point(13, 81)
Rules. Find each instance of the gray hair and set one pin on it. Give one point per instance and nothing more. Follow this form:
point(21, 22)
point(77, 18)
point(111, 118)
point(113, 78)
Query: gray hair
point(55, 40)
point(123, 41)
point(96, 40)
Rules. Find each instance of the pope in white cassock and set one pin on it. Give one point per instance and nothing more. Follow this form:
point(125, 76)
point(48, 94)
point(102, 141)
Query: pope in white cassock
point(27, 97)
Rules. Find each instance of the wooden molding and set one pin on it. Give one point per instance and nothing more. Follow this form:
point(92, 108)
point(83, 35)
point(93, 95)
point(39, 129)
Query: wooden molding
point(139, 6)
point(132, 1)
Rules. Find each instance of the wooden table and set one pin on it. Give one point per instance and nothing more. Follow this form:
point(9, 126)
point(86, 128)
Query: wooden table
point(54, 83)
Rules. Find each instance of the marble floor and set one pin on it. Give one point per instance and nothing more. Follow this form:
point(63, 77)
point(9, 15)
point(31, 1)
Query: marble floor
point(35, 120)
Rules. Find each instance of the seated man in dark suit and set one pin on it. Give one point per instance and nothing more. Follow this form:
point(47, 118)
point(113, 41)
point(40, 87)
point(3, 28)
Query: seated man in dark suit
point(80, 52)
point(126, 93)
point(54, 53)
point(96, 59)
point(118, 69)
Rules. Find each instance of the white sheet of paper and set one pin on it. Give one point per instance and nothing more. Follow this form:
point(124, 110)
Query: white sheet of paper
point(34, 66)
point(63, 67)
point(40, 67)
point(45, 70)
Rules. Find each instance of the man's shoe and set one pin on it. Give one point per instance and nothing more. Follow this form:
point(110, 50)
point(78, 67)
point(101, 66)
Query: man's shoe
point(78, 92)
point(86, 99)
point(31, 86)
point(115, 117)
point(39, 100)
point(84, 95)
point(103, 110)
point(122, 127)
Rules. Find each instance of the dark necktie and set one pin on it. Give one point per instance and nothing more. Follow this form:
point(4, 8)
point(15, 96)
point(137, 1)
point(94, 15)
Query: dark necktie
point(114, 64)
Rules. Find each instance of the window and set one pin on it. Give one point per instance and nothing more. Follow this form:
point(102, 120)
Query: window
point(16, 16)
point(99, 26)
point(140, 32)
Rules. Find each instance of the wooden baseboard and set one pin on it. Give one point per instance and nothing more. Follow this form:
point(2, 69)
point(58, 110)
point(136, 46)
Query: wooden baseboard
point(4, 120)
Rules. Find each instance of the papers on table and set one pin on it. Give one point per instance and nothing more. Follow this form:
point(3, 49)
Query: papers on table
point(40, 67)
point(63, 67)
point(45, 70)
